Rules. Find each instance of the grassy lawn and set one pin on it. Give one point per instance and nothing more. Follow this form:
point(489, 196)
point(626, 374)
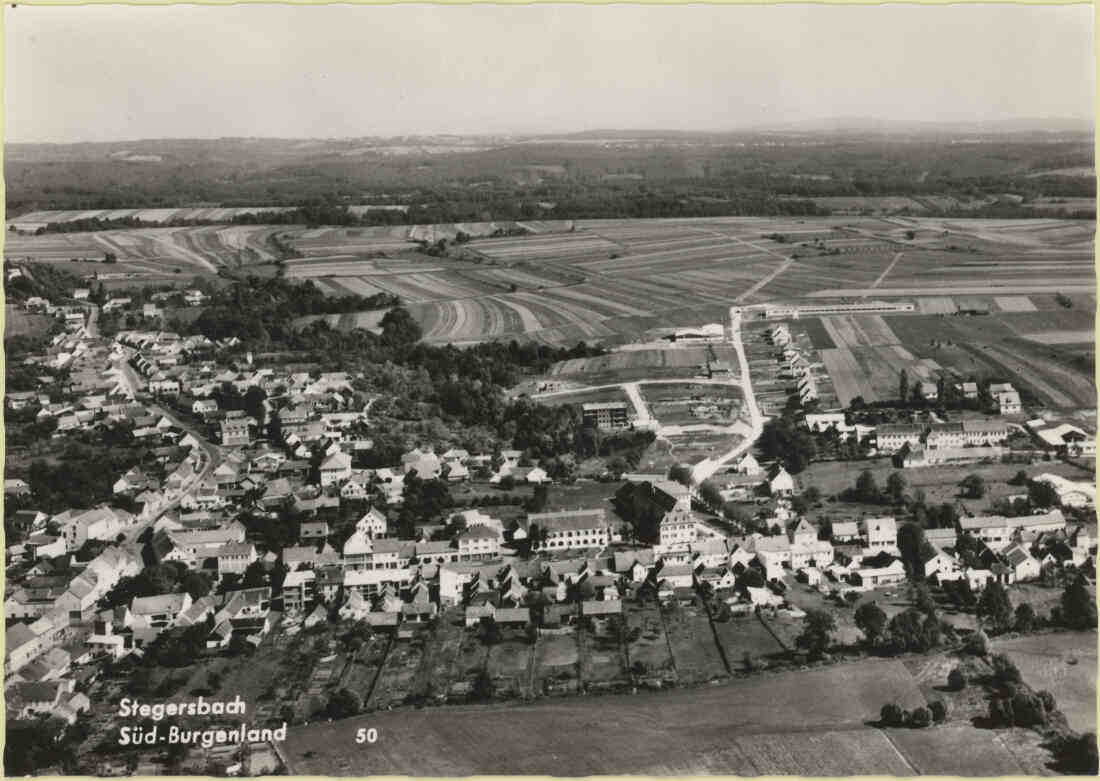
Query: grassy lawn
point(939, 483)
point(582, 495)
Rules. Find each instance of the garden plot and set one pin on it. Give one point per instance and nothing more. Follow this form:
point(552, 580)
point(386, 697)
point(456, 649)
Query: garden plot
point(604, 663)
point(697, 657)
point(509, 664)
point(746, 638)
point(556, 660)
point(648, 642)
point(396, 681)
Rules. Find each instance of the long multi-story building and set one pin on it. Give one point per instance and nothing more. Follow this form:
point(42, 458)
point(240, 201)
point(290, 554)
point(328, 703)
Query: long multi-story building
point(571, 529)
point(607, 415)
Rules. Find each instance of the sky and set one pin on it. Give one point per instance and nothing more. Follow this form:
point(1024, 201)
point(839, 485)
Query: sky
point(106, 73)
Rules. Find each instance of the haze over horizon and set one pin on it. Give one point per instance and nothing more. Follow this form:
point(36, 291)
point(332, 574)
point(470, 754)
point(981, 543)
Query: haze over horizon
point(120, 73)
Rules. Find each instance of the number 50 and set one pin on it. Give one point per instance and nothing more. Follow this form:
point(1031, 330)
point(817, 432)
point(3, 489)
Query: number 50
point(365, 735)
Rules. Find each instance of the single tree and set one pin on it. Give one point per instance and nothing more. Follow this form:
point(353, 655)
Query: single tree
point(1025, 617)
point(938, 709)
point(895, 487)
point(994, 608)
point(973, 486)
point(871, 620)
point(817, 632)
point(1078, 606)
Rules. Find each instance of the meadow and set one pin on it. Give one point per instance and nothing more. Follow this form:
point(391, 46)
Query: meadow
point(741, 727)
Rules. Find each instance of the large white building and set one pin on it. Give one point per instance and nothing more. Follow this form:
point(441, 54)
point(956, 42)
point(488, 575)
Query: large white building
point(571, 529)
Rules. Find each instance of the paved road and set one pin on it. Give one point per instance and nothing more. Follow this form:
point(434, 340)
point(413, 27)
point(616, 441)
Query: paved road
point(211, 456)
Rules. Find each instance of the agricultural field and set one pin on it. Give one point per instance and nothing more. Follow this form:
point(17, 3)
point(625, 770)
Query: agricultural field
point(34, 220)
point(741, 727)
point(144, 252)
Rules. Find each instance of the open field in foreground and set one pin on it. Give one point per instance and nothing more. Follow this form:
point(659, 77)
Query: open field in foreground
point(1044, 664)
point(743, 727)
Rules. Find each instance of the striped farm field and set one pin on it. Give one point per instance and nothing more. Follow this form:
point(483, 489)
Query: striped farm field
point(204, 248)
point(1062, 337)
point(548, 247)
point(936, 305)
point(1015, 304)
point(847, 376)
point(357, 285)
point(859, 331)
point(618, 280)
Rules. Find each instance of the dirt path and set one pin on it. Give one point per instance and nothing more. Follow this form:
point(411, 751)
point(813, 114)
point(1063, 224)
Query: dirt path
point(883, 275)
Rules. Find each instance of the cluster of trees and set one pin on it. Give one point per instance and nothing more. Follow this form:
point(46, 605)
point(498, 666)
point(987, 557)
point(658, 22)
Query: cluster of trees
point(422, 499)
point(83, 476)
point(1014, 704)
point(949, 394)
point(784, 440)
point(1040, 496)
point(915, 629)
point(866, 489)
point(166, 578)
point(33, 745)
point(261, 311)
point(893, 715)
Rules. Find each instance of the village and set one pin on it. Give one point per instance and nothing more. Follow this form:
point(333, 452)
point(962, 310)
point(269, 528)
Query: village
point(256, 523)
